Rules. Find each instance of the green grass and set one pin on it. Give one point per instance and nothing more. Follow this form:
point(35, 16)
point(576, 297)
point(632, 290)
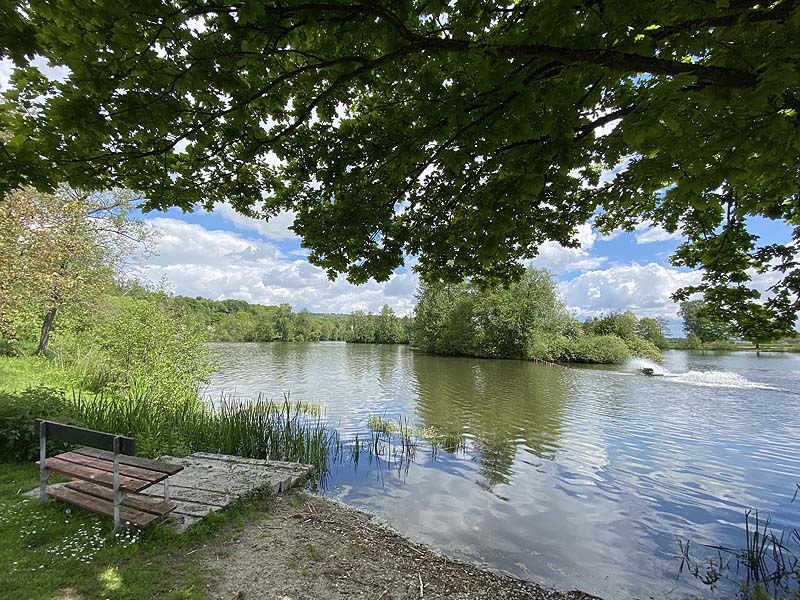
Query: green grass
point(19, 373)
point(180, 424)
point(57, 551)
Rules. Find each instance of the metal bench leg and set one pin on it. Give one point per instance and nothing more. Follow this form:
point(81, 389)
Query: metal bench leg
point(166, 490)
point(43, 473)
point(117, 491)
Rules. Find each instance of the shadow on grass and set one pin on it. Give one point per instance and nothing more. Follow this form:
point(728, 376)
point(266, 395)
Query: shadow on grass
point(62, 552)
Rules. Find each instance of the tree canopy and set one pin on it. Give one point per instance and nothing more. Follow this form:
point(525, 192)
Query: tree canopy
point(57, 250)
point(525, 320)
point(466, 133)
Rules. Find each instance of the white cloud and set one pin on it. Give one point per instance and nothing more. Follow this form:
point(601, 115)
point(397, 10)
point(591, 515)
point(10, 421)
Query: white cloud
point(560, 260)
point(649, 233)
point(216, 264)
point(277, 228)
point(6, 67)
point(644, 289)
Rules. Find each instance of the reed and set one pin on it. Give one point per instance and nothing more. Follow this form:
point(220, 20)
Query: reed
point(766, 567)
point(258, 428)
point(399, 441)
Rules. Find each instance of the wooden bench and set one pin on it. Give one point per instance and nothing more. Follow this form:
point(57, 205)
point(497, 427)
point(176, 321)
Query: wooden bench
point(106, 475)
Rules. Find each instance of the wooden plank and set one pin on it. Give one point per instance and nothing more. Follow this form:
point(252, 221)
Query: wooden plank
point(134, 461)
point(87, 437)
point(108, 465)
point(100, 506)
point(128, 484)
point(136, 501)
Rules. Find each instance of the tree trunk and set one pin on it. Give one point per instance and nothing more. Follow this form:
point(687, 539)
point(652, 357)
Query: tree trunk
point(46, 327)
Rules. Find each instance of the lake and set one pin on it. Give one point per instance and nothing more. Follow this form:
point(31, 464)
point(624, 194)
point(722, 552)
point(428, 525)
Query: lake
point(576, 478)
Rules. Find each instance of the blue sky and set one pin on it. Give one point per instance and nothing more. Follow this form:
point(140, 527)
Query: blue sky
point(225, 255)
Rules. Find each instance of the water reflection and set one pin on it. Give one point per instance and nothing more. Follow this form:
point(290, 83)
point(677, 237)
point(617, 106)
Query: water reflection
point(499, 405)
point(576, 478)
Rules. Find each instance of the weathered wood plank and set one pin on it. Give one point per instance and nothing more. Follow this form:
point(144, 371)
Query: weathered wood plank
point(135, 501)
point(108, 465)
point(128, 484)
point(103, 507)
point(88, 437)
point(134, 461)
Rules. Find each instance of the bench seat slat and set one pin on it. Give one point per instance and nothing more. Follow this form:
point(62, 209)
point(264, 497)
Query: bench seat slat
point(70, 469)
point(103, 507)
point(108, 465)
point(134, 461)
point(136, 501)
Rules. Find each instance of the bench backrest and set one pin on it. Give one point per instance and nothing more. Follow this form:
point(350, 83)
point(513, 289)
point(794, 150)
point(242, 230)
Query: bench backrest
point(85, 437)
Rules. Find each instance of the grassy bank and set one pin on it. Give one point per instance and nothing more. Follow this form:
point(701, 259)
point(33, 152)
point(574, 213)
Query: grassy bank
point(160, 422)
point(58, 551)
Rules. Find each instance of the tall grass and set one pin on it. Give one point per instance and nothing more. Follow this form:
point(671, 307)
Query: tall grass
point(259, 428)
point(399, 441)
point(767, 567)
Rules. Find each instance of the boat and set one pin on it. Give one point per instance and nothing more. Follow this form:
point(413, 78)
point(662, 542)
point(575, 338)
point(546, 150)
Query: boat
point(650, 371)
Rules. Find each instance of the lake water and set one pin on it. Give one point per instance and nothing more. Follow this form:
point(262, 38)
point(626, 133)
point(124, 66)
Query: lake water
point(575, 478)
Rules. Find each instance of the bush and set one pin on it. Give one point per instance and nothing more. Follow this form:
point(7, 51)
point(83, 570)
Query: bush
point(19, 438)
point(549, 347)
point(601, 349)
point(643, 348)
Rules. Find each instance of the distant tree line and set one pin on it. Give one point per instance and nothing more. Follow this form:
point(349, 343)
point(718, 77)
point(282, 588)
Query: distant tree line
point(240, 321)
point(383, 328)
point(527, 320)
point(705, 329)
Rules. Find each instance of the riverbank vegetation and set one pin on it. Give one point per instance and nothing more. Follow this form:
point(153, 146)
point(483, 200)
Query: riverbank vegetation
point(112, 355)
point(765, 567)
point(705, 331)
point(240, 321)
point(526, 320)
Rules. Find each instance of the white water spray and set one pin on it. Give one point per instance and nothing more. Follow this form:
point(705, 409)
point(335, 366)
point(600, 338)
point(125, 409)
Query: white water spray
point(635, 365)
point(720, 379)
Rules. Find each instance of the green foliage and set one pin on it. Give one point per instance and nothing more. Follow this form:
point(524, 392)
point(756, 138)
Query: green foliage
point(383, 328)
point(360, 328)
point(698, 321)
point(58, 251)
point(484, 126)
point(181, 425)
point(653, 330)
point(524, 320)
point(151, 348)
point(442, 319)
point(19, 438)
point(602, 349)
point(239, 321)
point(388, 328)
point(640, 347)
point(622, 325)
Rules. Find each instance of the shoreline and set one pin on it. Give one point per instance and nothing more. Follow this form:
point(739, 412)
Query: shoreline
point(305, 547)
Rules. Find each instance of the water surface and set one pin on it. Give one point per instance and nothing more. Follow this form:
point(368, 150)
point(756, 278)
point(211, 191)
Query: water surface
point(576, 478)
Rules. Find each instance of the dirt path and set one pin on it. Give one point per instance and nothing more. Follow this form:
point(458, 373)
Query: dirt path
point(310, 548)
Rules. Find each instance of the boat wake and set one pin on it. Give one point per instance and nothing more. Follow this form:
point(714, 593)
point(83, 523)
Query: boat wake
point(719, 379)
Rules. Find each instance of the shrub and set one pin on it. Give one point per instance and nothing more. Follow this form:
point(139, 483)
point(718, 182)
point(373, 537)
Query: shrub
point(549, 347)
point(601, 349)
point(19, 438)
point(643, 348)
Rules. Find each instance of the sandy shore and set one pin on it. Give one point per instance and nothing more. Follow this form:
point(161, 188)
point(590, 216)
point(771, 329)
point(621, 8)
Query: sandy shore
point(310, 548)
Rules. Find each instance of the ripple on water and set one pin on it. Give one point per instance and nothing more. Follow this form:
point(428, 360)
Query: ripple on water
point(576, 478)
